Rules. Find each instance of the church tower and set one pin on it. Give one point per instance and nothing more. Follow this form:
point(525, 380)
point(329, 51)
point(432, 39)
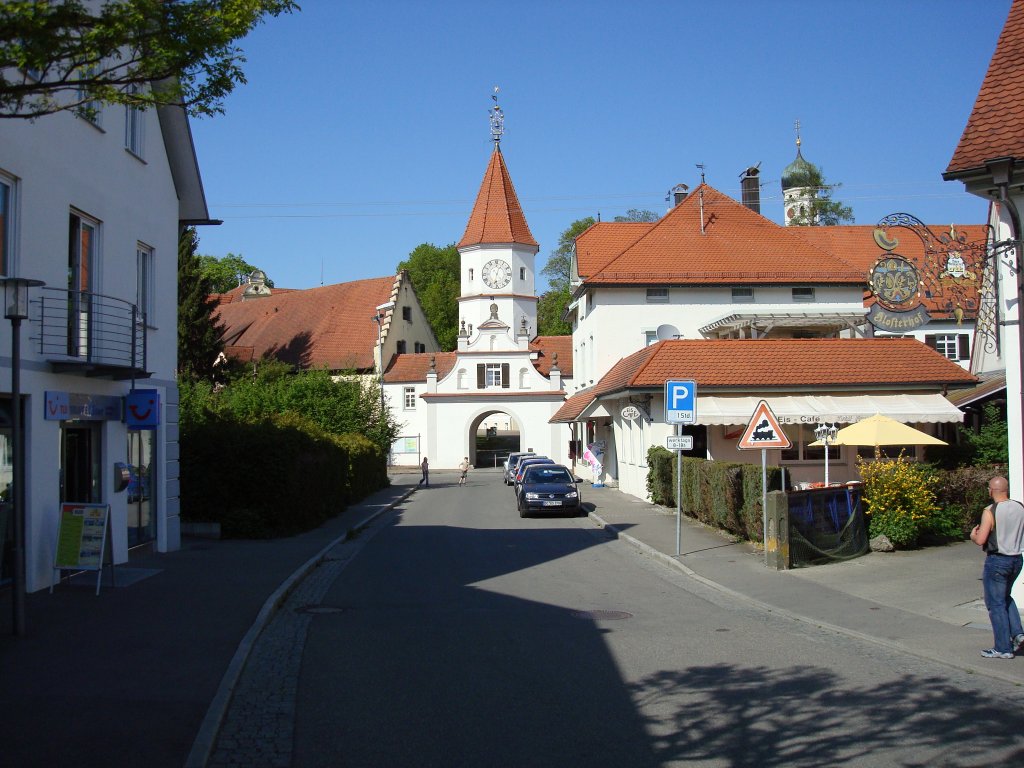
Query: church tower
point(796, 195)
point(497, 253)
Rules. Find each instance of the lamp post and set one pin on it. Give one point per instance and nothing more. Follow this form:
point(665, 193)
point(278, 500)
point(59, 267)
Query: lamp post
point(826, 434)
point(16, 310)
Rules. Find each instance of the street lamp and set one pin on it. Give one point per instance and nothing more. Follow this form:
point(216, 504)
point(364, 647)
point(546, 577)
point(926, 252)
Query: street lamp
point(16, 310)
point(826, 434)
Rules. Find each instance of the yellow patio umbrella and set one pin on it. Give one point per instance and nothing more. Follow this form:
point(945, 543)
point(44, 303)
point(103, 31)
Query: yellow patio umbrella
point(880, 430)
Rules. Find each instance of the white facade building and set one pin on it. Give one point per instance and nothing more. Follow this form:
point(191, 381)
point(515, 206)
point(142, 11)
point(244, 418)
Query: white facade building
point(94, 209)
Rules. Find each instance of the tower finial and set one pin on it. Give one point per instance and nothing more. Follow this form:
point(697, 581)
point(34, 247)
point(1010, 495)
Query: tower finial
point(796, 125)
point(497, 119)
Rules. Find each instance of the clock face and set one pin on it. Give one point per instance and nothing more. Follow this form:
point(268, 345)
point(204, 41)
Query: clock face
point(497, 273)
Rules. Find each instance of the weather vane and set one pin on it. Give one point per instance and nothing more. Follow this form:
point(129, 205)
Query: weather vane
point(796, 125)
point(497, 119)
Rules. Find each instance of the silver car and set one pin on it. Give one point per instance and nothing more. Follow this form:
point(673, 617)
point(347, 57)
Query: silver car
point(511, 464)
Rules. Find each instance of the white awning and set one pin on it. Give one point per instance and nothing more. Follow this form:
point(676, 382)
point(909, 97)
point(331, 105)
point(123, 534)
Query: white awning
point(842, 409)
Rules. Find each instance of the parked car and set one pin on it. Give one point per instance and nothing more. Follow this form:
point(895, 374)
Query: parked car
point(529, 461)
point(548, 488)
point(512, 462)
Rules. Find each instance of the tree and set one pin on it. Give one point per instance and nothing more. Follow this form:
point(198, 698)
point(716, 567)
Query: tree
point(227, 272)
point(434, 273)
point(199, 334)
point(634, 214)
point(59, 55)
point(823, 211)
point(558, 270)
point(550, 308)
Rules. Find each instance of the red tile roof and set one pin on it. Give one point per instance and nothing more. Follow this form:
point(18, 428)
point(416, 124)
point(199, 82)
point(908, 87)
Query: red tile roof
point(785, 363)
point(548, 347)
point(235, 294)
point(855, 244)
point(996, 125)
point(329, 326)
point(602, 242)
point(497, 217)
point(736, 246)
point(573, 407)
point(413, 367)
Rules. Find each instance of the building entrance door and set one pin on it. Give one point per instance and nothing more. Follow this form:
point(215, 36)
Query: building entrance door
point(141, 521)
point(80, 463)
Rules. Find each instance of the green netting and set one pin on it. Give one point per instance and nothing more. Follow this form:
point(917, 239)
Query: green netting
point(826, 527)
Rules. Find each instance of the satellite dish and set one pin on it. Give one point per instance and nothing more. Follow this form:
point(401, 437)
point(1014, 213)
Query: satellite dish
point(667, 332)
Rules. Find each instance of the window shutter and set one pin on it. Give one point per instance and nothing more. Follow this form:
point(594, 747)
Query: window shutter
point(480, 376)
point(504, 376)
point(963, 346)
point(929, 340)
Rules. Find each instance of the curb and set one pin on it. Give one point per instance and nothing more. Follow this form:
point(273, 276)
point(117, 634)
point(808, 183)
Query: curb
point(206, 737)
point(667, 559)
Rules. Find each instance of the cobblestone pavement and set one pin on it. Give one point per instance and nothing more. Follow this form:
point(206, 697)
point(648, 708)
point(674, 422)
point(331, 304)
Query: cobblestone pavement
point(258, 728)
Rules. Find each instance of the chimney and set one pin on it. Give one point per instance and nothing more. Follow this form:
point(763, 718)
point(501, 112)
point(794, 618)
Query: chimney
point(750, 188)
point(677, 194)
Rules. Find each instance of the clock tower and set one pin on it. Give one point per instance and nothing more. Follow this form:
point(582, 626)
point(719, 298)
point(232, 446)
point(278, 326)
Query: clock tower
point(497, 252)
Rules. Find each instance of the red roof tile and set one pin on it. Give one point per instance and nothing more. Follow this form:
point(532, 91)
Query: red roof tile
point(996, 125)
point(497, 217)
point(548, 347)
point(573, 407)
point(602, 242)
point(785, 363)
point(736, 246)
point(855, 244)
point(328, 327)
point(413, 367)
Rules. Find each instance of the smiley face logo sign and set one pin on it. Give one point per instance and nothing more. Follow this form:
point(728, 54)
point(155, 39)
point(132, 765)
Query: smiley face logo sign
point(142, 409)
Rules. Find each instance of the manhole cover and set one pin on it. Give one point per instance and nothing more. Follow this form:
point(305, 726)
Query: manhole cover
point(602, 615)
point(319, 609)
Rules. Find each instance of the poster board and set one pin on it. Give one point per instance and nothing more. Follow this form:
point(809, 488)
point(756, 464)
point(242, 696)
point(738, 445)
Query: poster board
point(82, 538)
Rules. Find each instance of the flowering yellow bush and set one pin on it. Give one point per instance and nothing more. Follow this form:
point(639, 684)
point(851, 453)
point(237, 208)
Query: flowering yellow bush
point(899, 497)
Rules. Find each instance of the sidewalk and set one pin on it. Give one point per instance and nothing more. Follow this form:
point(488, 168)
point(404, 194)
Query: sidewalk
point(926, 602)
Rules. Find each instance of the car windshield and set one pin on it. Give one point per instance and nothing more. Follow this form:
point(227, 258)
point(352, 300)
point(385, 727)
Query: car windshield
point(547, 475)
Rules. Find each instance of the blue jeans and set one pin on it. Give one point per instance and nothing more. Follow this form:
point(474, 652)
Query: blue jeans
point(997, 577)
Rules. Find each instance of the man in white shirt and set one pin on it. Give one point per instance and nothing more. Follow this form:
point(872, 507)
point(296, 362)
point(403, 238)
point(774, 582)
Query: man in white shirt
point(1001, 534)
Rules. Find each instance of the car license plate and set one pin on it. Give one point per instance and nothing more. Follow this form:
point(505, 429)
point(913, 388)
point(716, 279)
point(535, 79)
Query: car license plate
point(551, 503)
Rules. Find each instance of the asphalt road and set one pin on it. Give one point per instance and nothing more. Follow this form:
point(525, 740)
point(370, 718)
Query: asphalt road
point(454, 633)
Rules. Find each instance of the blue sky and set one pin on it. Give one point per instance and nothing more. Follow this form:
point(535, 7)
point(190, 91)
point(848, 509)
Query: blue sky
point(363, 129)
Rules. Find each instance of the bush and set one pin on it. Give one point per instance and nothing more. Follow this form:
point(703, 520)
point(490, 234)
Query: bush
point(899, 499)
point(963, 492)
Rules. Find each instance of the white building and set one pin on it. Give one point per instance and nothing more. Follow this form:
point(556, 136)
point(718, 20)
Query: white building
point(716, 293)
point(94, 209)
point(501, 372)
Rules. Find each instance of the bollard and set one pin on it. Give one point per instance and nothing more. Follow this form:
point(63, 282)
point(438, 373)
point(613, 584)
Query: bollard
point(776, 543)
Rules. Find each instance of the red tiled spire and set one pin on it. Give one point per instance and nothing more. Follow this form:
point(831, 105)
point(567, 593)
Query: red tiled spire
point(497, 217)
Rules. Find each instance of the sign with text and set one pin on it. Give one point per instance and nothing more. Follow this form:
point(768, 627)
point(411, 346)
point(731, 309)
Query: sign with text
point(61, 406)
point(680, 402)
point(679, 442)
point(81, 533)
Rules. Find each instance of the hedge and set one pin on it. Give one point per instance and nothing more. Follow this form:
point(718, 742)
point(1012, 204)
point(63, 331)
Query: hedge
point(271, 477)
point(725, 495)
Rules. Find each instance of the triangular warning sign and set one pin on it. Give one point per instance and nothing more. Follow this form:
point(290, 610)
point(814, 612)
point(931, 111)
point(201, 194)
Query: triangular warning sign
point(763, 431)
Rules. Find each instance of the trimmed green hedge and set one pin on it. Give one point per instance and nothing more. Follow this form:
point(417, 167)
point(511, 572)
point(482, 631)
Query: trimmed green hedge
point(271, 477)
point(725, 495)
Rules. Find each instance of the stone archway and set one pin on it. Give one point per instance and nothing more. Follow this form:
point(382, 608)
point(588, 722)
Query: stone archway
point(493, 434)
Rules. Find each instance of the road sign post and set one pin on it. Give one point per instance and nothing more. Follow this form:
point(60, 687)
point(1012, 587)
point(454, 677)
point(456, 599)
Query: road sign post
point(680, 408)
point(763, 431)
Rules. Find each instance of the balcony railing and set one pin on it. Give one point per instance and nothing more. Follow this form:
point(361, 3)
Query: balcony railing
point(102, 334)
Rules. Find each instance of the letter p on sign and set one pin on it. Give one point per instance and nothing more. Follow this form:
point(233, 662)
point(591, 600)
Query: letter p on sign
point(680, 402)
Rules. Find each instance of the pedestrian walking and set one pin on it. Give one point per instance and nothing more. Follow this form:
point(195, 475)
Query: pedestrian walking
point(425, 480)
point(1001, 534)
point(464, 469)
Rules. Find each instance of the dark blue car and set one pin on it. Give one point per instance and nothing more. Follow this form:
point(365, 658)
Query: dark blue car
point(548, 488)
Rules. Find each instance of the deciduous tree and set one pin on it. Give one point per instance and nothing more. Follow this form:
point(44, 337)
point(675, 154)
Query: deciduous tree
point(58, 55)
point(434, 273)
point(823, 211)
point(227, 272)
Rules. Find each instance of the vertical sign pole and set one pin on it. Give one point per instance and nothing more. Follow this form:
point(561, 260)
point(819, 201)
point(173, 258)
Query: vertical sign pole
point(679, 494)
point(764, 494)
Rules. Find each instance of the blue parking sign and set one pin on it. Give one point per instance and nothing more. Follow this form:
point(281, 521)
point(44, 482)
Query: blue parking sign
point(680, 402)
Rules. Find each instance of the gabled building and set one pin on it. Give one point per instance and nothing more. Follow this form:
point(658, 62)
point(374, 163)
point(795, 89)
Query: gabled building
point(501, 367)
point(93, 207)
point(989, 160)
point(344, 328)
point(750, 310)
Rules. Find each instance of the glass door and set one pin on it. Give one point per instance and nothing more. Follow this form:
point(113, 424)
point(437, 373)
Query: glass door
point(80, 463)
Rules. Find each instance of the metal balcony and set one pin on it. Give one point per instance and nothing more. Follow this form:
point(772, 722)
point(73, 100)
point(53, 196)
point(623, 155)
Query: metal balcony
point(91, 334)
